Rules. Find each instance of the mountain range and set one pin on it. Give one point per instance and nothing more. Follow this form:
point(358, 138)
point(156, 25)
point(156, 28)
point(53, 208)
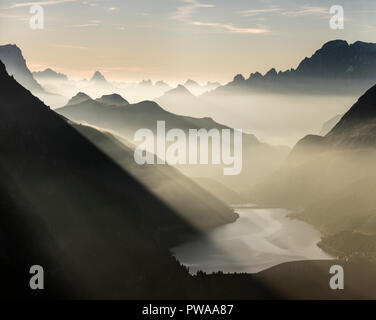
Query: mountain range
point(259, 159)
point(336, 67)
point(49, 74)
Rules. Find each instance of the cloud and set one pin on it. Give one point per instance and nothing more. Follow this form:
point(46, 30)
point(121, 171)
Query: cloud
point(307, 11)
point(301, 12)
point(39, 3)
point(254, 12)
point(230, 28)
point(112, 9)
point(185, 12)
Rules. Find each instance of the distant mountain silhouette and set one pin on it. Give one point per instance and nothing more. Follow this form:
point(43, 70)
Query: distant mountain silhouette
point(176, 97)
point(334, 67)
point(98, 78)
point(49, 74)
point(15, 64)
point(145, 84)
point(78, 98)
point(162, 85)
point(112, 99)
point(179, 90)
point(259, 159)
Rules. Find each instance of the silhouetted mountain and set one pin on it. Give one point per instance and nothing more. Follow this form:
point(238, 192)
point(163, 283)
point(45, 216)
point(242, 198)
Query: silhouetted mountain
point(78, 98)
point(179, 96)
point(336, 67)
point(49, 74)
point(66, 206)
point(112, 99)
point(338, 59)
point(16, 66)
point(162, 85)
point(145, 84)
point(98, 86)
point(358, 126)
point(180, 90)
point(259, 159)
point(195, 205)
point(98, 78)
point(197, 89)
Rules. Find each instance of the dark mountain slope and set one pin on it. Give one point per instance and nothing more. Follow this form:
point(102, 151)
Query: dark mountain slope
point(95, 230)
point(195, 205)
point(16, 66)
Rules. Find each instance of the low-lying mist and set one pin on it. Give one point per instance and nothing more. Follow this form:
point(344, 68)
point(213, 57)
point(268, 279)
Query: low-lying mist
point(278, 119)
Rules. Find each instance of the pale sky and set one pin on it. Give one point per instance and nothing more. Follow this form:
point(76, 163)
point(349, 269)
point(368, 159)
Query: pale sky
point(178, 39)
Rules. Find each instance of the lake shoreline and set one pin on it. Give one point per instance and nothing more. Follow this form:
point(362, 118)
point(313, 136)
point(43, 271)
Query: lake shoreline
point(259, 239)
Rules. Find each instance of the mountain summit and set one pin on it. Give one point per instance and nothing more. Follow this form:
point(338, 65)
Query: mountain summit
point(112, 99)
point(15, 64)
point(336, 67)
point(98, 78)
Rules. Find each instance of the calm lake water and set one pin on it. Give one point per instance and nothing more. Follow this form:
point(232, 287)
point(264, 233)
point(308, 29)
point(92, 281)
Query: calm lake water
point(259, 239)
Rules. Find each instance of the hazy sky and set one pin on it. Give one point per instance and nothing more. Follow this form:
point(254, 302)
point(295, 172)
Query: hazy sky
point(178, 39)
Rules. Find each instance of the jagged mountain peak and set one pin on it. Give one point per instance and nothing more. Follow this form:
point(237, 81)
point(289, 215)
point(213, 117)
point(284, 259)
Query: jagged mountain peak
point(98, 77)
point(15, 64)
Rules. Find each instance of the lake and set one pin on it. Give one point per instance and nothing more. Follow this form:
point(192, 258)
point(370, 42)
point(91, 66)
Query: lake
point(257, 240)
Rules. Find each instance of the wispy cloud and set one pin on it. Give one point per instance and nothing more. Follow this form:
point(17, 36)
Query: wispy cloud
point(302, 11)
point(112, 9)
point(40, 3)
point(307, 11)
point(230, 28)
point(185, 12)
point(255, 12)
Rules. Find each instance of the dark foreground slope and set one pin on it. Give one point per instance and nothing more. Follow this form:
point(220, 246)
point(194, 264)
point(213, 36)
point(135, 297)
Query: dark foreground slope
point(195, 205)
point(66, 206)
